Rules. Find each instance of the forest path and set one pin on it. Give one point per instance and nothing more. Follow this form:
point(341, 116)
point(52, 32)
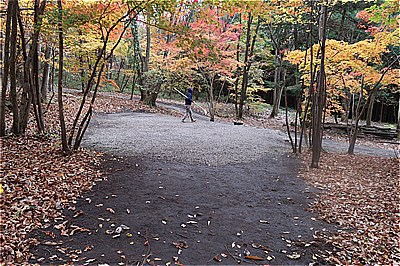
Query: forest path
point(189, 193)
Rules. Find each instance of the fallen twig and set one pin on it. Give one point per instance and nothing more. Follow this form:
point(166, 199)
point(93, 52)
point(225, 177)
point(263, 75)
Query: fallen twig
point(238, 259)
point(148, 253)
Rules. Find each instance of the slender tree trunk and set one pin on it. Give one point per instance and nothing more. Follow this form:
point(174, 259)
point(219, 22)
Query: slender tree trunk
point(124, 83)
point(6, 69)
point(13, 70)
point(246, 58)
point(121, 65)
point(26, 95)
point(357, 116)
point(238, 70)
point(311, 87)
point(381, 112)
point(133, 86)
point(278, 87)
point(294, 148)
point(211, 99)
point(297, 104)
point(250, 42)
point(1, 52)
point(373, 91)
point(148, 47)
point(319, 99)
point(46, 73)
point(34, 58)
point(398, 119)
point(340, 30)
point(65, 147)
point(143, 93)
point(370, 110)
point(96, 71)
point(82, 73)
point(86, 119)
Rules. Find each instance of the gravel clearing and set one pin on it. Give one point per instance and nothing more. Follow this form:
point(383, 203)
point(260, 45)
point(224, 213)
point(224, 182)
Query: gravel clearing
point(167, 138)
point(214, 144)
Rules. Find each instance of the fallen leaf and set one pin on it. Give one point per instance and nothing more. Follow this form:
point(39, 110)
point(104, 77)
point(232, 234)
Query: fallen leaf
point(217, 258)
point(50, 243)
point(250, 257)
point(180, 244)
point(294, 256)
point(87, 248)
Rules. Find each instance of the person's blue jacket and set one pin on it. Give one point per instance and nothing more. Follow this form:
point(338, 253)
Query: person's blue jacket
point(189, 97)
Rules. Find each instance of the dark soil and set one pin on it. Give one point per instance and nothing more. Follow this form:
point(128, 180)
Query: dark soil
point(206, 210)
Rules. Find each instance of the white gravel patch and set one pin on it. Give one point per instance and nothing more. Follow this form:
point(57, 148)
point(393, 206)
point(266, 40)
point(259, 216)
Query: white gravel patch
point(167, 138)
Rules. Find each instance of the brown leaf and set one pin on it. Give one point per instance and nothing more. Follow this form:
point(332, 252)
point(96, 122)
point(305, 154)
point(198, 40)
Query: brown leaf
point(180, 244)
point(251, 257)
point(217, 258)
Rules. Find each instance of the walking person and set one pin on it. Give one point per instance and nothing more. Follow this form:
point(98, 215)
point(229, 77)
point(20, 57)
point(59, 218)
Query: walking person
point(188, 105)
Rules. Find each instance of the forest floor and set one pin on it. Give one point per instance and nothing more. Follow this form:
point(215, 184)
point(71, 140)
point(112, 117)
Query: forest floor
point(159, 191)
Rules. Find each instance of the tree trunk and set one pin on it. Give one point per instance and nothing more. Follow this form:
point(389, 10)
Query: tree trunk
point(13, 68)
point(65, 147)
point(357, 116)
point(278, 88)
point(146, 60)
point(77, 132)
point(26, 95)
point(398, 120)
point(238, 70)
point(373, 91)
point(250, 42)
point(34, 59)
point(211, 100)
point(121, 65)
point(303, 121)
point(319, 99)
point(294, 147)
point(133, 86)
point(150, 97)
point(340, 30)
point(82, 73)
point(245, 73)
point(370, 110)
point(148, 47)
point(381, 112)
point(46, 73)
point(6, 69)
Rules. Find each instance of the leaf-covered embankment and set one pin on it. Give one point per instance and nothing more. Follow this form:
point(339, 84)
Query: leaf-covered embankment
point(38, 181)
point(361, 194)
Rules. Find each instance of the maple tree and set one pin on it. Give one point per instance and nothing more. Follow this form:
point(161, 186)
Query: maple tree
point(208, 49)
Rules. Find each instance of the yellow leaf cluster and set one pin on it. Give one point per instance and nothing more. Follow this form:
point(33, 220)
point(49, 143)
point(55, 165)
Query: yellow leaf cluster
point(345, 63)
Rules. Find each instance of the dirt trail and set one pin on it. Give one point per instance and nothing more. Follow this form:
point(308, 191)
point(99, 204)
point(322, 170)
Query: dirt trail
point(189, 192)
